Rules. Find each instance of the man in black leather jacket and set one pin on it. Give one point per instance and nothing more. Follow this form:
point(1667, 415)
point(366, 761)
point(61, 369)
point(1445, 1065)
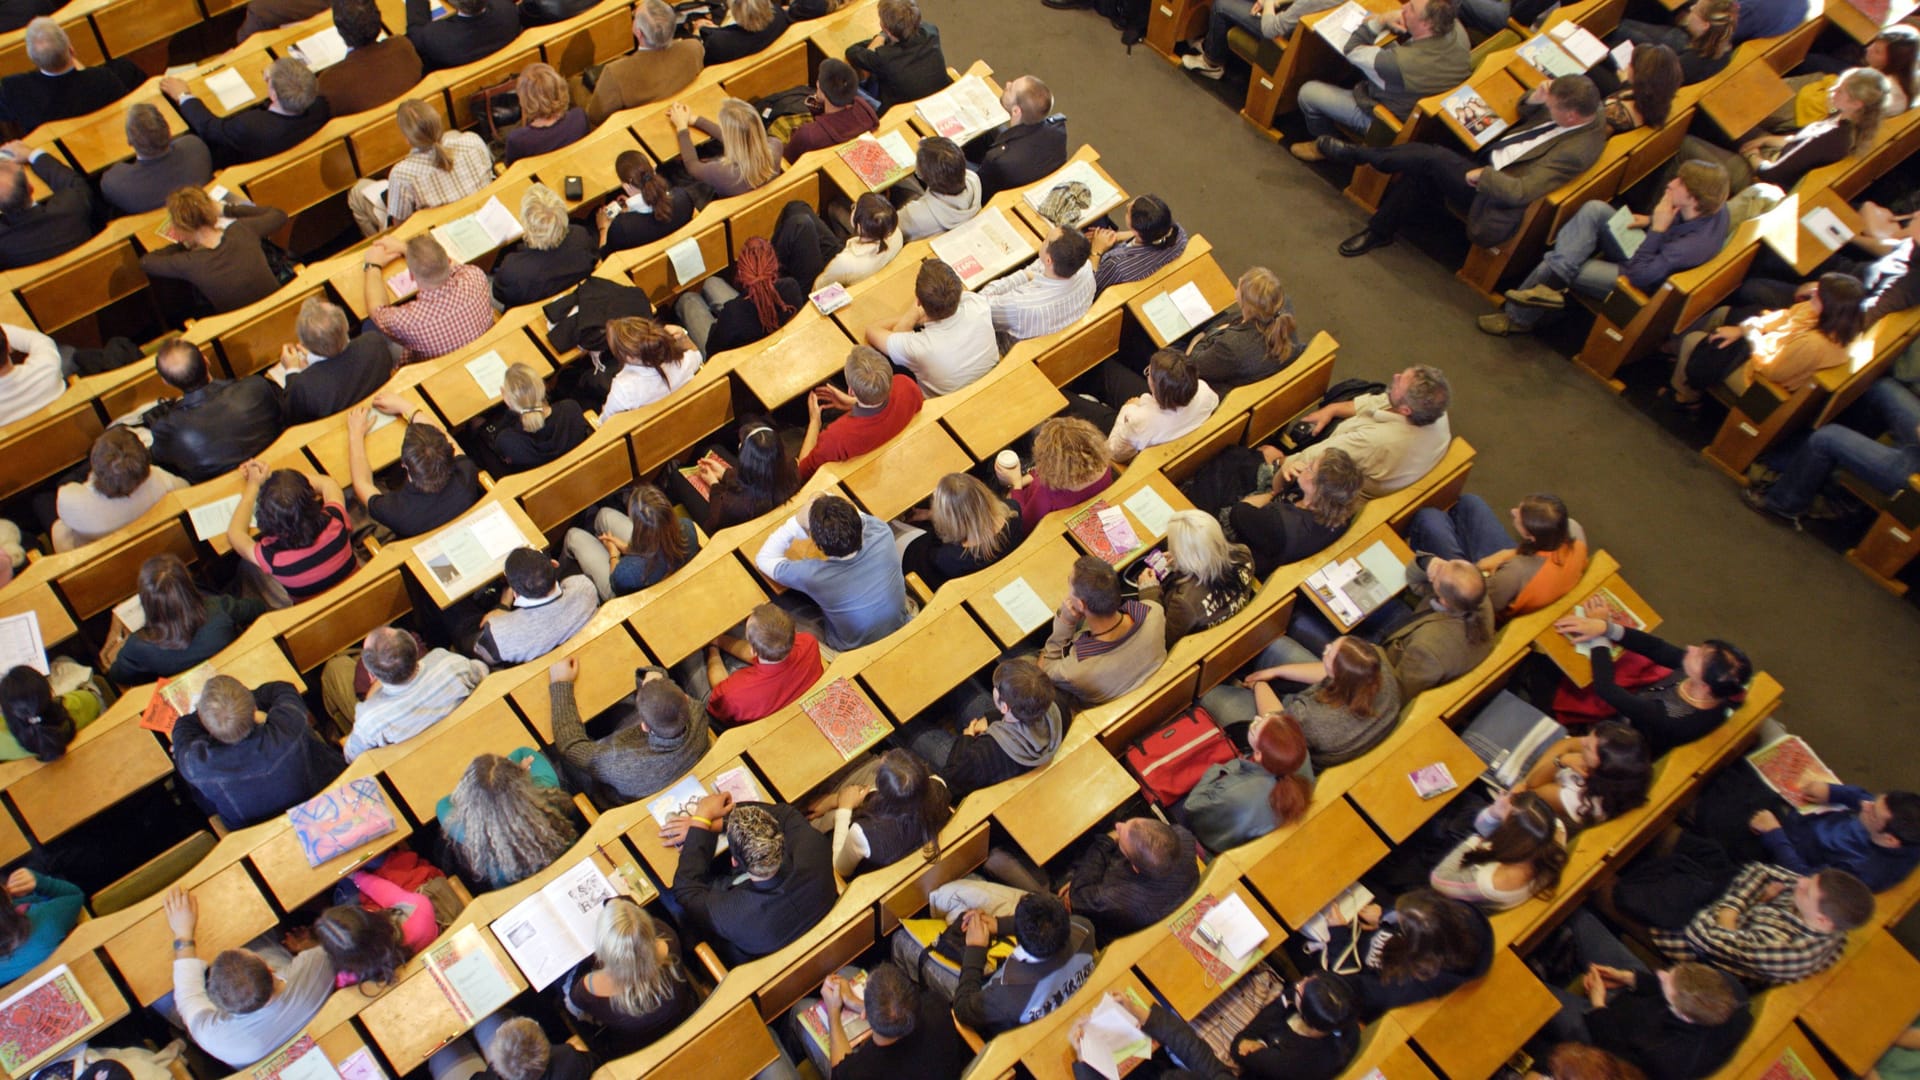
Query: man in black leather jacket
point(217, 423)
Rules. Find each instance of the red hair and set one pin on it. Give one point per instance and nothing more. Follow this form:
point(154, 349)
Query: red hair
point(1283, 749)
point(756, 271)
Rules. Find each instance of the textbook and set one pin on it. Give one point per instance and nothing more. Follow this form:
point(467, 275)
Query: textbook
point(549, 932)
point(1579, 43)
point(853, 1018)
point(468, 238)
point(469, 974)
point(1475, 117)
point(1111, 1042)
point(335, 822)
point(1222, 936)
point(1788, 762)
point(1605, 604)
point(175, 697)
point(983, 248)
point(1105, 532)
point(470, 550)
point(692, 473)
point(301, 1059)
point(1354, 588)
point(963, 111)
point(40, 1020)
point(685, 795)
point(845, 717)
point(1173, 313)
point(1549, 58)
point(878, 162)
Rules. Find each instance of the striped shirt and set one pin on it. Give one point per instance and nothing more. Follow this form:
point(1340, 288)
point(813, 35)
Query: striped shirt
point(1769, 943)
point(1032, 302)
point(393, 714)
point(439, 320)
point(312, 570)
point(1133, 260)
point(414, 184)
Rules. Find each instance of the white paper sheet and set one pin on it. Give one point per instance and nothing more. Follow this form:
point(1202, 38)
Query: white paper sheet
point(476, 978)
point(312, 1065)
point(1149, 509)
point(688, 262)
point(1192, 303)
point(211, 519)
point(501, 226)
point(1385, 566)
point(1621, 226)
point(497, 533)
point(1826, 227)
point(489, 372)
point(380, 420)
point(230, 88)
point(1165, 317)
point(1023, 605)
point(360, 1065)
point(322, 50)
point(130, 613)
point(1232, 924)
point(1580, 43)
point(1623, 55)
point(21, 644)
point(1338, 27)
point(1109, 1034)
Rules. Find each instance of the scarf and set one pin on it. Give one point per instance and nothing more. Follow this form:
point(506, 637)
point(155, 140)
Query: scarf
point(1018, 742)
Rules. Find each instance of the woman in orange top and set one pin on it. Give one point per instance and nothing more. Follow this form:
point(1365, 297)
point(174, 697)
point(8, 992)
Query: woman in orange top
point(1787, 345)
point(1544, 566)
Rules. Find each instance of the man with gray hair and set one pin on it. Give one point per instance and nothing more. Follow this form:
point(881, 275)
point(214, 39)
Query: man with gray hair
point(161, 164)
point(1395, 437)
point(293, 110)
point(410, 689)
point(326, 371)
point(659, 67)
point(879, 405)
point(59, 87)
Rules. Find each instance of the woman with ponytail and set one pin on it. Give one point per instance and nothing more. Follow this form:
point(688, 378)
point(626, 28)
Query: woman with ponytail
point(719, 316)
point(647, 208)
point(40, 723)
point(534, 431)
point(637, 549)
point(442, 167)
point(1253, 338)
point(1246, 798)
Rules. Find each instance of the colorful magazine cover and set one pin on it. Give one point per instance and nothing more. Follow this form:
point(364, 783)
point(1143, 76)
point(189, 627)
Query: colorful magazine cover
point(848, 721)
point(39, 1021)
point(335, 822)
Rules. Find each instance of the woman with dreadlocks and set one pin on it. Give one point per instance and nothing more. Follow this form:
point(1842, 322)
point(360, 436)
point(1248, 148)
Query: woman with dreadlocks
point(719, 316)
point(507, 818)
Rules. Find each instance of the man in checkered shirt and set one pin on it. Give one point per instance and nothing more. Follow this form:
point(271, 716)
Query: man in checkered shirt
point(453, 307)
point(1773, 925)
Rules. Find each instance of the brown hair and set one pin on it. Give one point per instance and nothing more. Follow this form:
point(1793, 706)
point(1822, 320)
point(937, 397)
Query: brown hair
point(1024, 688)
point(1721, 17)
point(752, 15)
point(899, 18)
point(770, 632)
point(423, 129)
point(1263, 303)
point(656, 531)
point(635, 171)
point(1578, 1061)
point(226, 709)
point(1707, 183)
point(1657, 76)
point(968, 513)
point(1070, 453)
point(1171, 379)
point(1337, 484)
point(1701, 994)
point(1844, 899)
point(147, 131)
point(938, 289)
point(1544, 519)
point(542, 93)
point(636, 339)
point(427, 454)
point(192, 209)
point(174, 607)
point(120, 463)
point(1531, 833)
point(239, 982)
point(1354, 685)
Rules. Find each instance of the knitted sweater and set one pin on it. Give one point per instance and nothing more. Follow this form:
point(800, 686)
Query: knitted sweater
point(630, 763)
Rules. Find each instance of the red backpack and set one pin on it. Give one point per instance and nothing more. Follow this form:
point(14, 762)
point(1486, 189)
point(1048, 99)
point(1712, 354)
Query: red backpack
point(1171, 761)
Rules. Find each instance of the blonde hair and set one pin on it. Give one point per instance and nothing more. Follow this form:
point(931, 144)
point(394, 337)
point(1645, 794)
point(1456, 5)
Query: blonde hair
point(743, 142)
point(427, 261)
point(542, 93)
point(753, 15)
point(1263, 303)
point(1198, 546)
point(625, 946)
point(869, 376)
point(526, 395)
point(420, 123)
point(968, 513)
point(544, 217)
point(192, 209)
point(1070, 453)
point(1871, 89)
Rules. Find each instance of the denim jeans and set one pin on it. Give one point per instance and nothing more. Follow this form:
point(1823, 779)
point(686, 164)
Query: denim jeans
point(1488, 15)
point(698, 308)
point(1226, 15)
point(1470, 531)
point(1231, 706)
point(1889, 406)
point(1327, 108)
point(1585, 257)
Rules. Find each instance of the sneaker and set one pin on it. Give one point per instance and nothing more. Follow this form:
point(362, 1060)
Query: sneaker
point(1306, 151)
point(1756, 500)
point(1540, 296)
point(1199, 65)
point(1497, 324)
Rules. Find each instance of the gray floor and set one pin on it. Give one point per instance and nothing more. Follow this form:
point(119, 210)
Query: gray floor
point(1844, 650)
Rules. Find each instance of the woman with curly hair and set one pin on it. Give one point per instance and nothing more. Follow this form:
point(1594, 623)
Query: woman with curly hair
point(507, 818)
point(1070, 465)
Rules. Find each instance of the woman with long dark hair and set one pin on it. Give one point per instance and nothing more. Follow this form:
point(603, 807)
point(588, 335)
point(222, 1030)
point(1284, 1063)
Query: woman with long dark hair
point(40, 723)
point(763, 476)
point(1594, 777)
point(184, 625)
point(1310, 1034)
point(1787, 346)
point(902, 812)
point(1426, 947)
point(1517, 851)
point(647, 209)
point(1703, 684)
point(305, 545)
point(632, 551)
point(1541, 567)
point(37, 915)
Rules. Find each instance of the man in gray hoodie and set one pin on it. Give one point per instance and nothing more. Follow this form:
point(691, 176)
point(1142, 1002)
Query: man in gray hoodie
point(658, 741)
point(1013, 729)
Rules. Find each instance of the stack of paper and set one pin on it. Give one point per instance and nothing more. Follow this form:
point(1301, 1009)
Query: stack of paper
point(982, 249)
point(964, 110)
point(21, 644)
point(322, 50)
point(1231, 926)
point(1339, 25)
point(489, 372)
point(1023, 605)
point(1111, 1037)
point(1149, 509)
point(1173, 314)
point(1101, 195)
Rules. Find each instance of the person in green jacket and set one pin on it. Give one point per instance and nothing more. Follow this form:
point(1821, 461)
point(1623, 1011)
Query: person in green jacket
point(39, 914)
point(39, 723)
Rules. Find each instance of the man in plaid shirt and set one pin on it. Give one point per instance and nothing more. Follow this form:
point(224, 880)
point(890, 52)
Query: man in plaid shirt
point(1773, 925)
point(453, 307)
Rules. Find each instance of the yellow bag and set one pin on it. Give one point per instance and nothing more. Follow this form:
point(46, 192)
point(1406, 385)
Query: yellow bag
point(1810, 104)
point(928, 933)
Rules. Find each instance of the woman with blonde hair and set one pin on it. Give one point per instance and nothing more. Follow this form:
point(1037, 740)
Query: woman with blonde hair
point(226, 264)
point(532, 431)
point(1201, 580)
point(553, 256)
point(507, 818)
point(635, 987)
point(1856, 103)
point(749, 157)
point(1253, 338)
point(442, 167)
point(548, 118)
point(972, 529)
point(637, 549)
point(658, 359)
point(755, 25)
point(1070, 466)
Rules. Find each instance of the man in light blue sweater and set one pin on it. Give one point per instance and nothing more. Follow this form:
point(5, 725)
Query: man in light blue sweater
point(410, 692)
point(858, 586)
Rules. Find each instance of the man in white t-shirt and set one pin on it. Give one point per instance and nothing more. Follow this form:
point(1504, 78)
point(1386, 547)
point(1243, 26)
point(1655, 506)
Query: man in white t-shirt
point(946, 338)
point(30, 376)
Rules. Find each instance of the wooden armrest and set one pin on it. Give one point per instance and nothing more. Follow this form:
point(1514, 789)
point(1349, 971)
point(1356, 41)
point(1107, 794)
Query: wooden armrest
point(178, 1067)
point(710, 961)
point(373, 546)
point(1384, 115)
point(34, 555)
point(460, 890)
point(972, 1038)
point(577, 1042)
point(593, 419)
point(918, 586)
point(587, 809)
point(219, 827)
point(486, 481)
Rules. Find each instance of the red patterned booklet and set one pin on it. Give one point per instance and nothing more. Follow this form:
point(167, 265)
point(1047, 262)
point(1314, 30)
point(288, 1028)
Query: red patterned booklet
point(845, 717)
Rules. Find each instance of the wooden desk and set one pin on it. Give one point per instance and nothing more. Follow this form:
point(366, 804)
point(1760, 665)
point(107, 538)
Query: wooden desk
point(1386, 793)
point(284, 454)
point(886, 295)
point(232, 913)
point(1790, 238)
point(699, 606)
point(1041, 226)
point(935, 655)
point(1064, 800)
point(1012, 401)
point(39, 600)
point(794, 756)
point(453, 390)
point(92, 777)
point(591, 159)
point(1473, 1030)
point(1384, 1046)
point(425, 770)
point(656, 132)
point(329, 446)
point(1573, 662)
point(1871, 999)
point(1744, 97)
point(282, 864)
point(250, 64)
point(1179, 978)
point(1051, 1056)
point(1046, 569)
point(13, 843)
point(607, 663)
point(1380, 534)
point(1336, 843)
point(439, 590)
point(1205, 273)
point(905, 471)
point(413, 1019)
point(807, 352)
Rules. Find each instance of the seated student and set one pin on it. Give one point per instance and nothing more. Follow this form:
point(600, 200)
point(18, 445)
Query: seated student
point(539, 610)
point(1070, 466)
point(1890, 274)
point(1848, 444)
point(1151, 241)
point(1202, 580)
point(659, 65)
point(293, 110)
point(161, 164)
point(1772, 925)
point(184, 626)
point(647, 209)
point(216, 423)
point(1787, 346)
point(951, 195)
point(1396, 437)
point(472, 30)
point(782, 663)
point(40, 911)
point(1858, 101)
point(763, 477)
point(122, 484)
point(879, 405)
point(1251, 339)
point(1517, 851)
point(1055, 957)
point(634, 550)
point(1310, 1034)
point(749, 157)
point(327, 371)
point(875, 241)
point(1593, 777)
point(555, 255)
point(40, 723)
point(910, 1033)
point(412, 690)
point(1451, 636)
point(218, 249)
point(946, 338)
point(245, 1004)
point(1102, 646)
point(249, 755)
point(1703, 685)
point(533, 431)
point(1133, 876)
point(1176, 403)
point(1247, 798)
point(900, 814)
point(1543, 567)
point(970, 529)
point(858, 586)
point(659, 358)
point(451, 310)
point(375, 70)
point(1426, 947)
point(1878, 842)
point(1278, 522)
point(777, 883)
point(1013, 729)
point(441, 483)
point(59, 86)
point(37, 231)
point(904, 58)
point(1648, 82)
point(753, 25)
point(30, 373)
point(548, 118)
point(656, 742)
point(1680, 1023)
point(636, 988)
point(1176, 1048)
point(441, 167)
point(839, 112)
point(1428, 54)
point(1031, 145)
point(1349, 702)
point(719, 317)
point(306, 544)
point(519, 1050)
point(1049, 294)
point(1557, 137)
point(507, 818)
point(371, 946)
point(1687, 227)
point(1702, 38)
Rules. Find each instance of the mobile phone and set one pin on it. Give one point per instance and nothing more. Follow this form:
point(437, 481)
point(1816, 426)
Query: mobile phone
point(573, 189)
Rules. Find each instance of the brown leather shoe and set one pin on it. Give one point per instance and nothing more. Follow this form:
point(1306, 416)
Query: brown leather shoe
point(1306, 151)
